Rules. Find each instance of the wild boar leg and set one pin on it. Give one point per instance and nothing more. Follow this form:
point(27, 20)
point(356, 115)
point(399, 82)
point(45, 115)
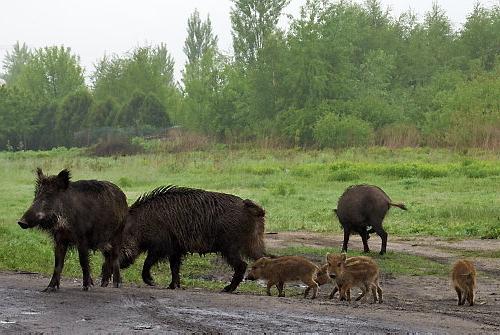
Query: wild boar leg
point(364, 238)
point(59, 255)
point(83, 255)
point(280, 286)
point(239, 266)
point(347, 233)
point(175, 265)
point(379, 291)
point(335, 290)
point(383, 235)
point(151, 260)
point(312, 284)
point(115, 261)
point(268, 287)
point(106, 269)
point(470, 297)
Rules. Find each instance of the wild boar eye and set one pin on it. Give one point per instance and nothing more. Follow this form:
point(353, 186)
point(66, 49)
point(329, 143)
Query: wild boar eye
point(339, 264)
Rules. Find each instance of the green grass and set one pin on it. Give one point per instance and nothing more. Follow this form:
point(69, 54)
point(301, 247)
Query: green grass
point(448, 194)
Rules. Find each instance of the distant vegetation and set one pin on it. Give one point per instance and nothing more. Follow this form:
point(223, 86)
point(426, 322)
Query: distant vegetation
point(341, 74)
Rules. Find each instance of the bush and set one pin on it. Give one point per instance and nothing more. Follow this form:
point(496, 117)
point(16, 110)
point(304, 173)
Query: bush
point(114, 146)
point(333, 131)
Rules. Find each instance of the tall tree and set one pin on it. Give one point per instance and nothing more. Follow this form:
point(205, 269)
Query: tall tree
point(200, 38)
point(252, 21)
point(15, 61)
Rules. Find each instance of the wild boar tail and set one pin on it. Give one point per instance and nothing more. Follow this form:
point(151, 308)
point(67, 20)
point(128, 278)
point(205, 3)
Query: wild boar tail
point(253, 208)
point(400, 205)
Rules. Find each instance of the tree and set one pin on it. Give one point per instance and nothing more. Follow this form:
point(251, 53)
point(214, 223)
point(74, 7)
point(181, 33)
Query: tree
point(51, 73)
point(252, 22)
point(200, 38)
point(146, 69)
point(72, 114)
point(15, 61)
point(17, 111)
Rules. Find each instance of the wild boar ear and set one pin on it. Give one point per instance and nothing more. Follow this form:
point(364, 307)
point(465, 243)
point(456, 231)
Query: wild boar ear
point(327, 256)
point(343, 257)
point(63, 179)
point(39, 173)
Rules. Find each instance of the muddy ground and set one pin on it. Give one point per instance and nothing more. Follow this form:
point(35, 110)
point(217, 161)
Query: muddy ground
point(411, 304)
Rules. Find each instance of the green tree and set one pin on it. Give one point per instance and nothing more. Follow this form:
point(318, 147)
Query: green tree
point(252, 22)
point(71, 116)
point(200, 38)
point(15, 61)
point(51, 74)
point(17, 111)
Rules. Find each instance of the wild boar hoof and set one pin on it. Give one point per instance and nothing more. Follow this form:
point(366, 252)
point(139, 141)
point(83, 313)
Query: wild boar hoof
point(228, 289)
point(50, 289)
point(85, 288)
point(150, 282)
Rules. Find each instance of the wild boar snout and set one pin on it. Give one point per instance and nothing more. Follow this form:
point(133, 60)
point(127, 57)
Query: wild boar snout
point(23, 224)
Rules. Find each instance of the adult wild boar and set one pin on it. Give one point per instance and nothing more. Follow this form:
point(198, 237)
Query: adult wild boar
point(361, 207)
point(171, 221)
point(86, 214)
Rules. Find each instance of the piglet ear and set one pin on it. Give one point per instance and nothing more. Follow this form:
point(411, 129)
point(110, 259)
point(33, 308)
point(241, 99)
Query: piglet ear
point(39, 173)
point(344, 256)
point(63, 179)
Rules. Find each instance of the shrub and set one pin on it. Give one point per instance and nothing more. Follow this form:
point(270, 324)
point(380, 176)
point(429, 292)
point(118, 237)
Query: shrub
point(333, 131)
point(115, 146)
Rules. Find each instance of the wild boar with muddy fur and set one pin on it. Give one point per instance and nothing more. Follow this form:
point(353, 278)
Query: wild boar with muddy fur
point(349, 261)
point(172, 221)
point(279, 270)
point(86, 214)
point(464, 281)
point(362, 273)
point(361, 207)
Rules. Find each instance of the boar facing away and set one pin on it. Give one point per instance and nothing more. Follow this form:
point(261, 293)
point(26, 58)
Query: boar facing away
point(464, 281)
point(362, 272)
point(361, 207)
point(279, 270)
point(171, 221)
point(86, 214)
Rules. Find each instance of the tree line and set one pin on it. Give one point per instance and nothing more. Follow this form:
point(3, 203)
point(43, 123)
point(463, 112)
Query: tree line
point(341, 74)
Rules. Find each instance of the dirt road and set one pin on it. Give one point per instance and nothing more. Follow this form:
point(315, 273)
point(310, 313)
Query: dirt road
point(411, 304)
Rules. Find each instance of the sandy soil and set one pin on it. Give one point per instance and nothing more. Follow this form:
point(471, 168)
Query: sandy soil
point(411, 304)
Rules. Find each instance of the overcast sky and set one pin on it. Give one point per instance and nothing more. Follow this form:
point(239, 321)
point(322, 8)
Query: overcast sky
point(93, 28)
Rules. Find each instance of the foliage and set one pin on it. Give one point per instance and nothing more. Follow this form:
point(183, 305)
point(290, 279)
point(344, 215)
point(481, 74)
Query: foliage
point(339, 132)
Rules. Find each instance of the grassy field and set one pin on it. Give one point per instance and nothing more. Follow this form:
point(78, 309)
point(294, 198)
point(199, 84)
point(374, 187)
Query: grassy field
point(448, 194)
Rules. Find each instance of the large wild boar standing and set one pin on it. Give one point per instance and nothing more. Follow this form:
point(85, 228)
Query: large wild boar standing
point(86, 214)
point(171, 221)
point(361, 207)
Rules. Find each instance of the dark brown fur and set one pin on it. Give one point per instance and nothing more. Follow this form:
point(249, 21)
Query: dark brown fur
point(362, 272)
point(464, 281)
point(279, 270)
point(87, 214)
point(170, 222)
point(363, 206)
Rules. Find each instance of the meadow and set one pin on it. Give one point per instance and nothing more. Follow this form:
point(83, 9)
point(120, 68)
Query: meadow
point(449, 194)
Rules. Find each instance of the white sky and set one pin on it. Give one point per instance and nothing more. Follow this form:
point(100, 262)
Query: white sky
point(95, 27)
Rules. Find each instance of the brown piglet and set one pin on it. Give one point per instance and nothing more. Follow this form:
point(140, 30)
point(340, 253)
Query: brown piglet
point(464, 281)
point(362, 273)
point(279, 270)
